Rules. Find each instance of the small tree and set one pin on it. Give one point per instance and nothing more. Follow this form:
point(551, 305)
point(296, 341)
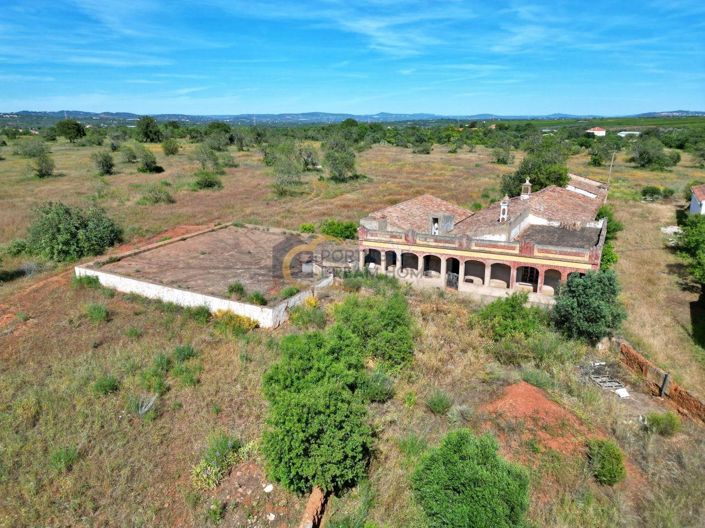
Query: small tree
point(317, 437)
point(148, 130)
point(207, 157)
point(128, 154)
point(340, 159)
point(606, 462)
point(691, 244)
point(148, 161)
point(614, 226)
point(588, 307)
point(104, 162)
point(43, 165)
point(502, 155)
point(648, 153)
point(170, 147)
point(63, 233)
point(464, 483)
point(543, 169)
point(70, 129)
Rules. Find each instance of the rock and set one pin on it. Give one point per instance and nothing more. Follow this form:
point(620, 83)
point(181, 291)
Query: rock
point(268, 488)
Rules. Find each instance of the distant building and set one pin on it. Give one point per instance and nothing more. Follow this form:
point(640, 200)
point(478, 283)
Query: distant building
point(697, 199)
point(530, 243)
point(627, 133)
point(597, 131)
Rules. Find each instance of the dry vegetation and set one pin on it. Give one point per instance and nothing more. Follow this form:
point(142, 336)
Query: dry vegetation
point(135, 472)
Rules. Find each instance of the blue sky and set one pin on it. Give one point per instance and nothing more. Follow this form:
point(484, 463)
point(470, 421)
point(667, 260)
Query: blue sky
point(444, 56)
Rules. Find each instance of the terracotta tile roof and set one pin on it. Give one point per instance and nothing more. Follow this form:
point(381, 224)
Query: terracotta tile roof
point(592, 186)
point(699, 192)
point(552, 203)
point(596, 129)
point(585, 237)
point(414, 213)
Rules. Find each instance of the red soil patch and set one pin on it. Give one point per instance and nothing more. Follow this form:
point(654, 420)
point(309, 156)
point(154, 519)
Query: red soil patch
point(543, 419)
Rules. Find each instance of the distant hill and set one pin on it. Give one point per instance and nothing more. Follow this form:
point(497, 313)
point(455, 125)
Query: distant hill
point(39, 118)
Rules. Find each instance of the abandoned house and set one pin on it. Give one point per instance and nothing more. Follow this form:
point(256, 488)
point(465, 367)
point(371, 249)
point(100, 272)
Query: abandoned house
point(531, 242)
point(697, 199)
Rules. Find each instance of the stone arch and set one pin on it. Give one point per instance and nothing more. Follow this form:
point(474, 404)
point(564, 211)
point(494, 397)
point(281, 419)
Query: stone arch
point(500, 275)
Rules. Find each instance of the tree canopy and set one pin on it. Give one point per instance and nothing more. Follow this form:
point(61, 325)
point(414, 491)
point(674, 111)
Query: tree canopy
point(148, 130)
point(70, 129)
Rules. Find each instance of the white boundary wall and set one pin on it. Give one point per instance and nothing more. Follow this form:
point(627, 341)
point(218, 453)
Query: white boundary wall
point(266, 316)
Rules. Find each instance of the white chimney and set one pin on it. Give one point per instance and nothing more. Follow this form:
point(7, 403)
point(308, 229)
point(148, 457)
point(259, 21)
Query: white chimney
point(526, 189)
point(504, 209)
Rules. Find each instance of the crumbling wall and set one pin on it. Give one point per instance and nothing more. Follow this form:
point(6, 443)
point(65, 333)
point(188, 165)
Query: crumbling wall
point(659, 382)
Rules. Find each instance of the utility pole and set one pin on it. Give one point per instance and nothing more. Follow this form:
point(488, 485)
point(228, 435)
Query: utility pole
point(609, 176)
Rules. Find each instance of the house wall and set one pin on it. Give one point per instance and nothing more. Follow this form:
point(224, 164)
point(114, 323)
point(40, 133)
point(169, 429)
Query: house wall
point(266, 316)
point(696, 207)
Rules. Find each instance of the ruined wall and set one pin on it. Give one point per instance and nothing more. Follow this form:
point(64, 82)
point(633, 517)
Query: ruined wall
point(266, 316)
point(657, 381)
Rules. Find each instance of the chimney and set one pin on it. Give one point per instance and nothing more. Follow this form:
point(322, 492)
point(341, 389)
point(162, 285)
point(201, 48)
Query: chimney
point(526, 189)
point(504, 209)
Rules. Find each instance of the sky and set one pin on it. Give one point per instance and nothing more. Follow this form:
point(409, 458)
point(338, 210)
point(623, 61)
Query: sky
point(446, 57)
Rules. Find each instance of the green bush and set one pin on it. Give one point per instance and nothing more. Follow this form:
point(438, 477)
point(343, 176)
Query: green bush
point(155, 194)
point(63, 459)
point(97, 313)
point(236, 289)
point(464, 483)
point(318, 437)
point(128, 154)
point(289, 291)
point(103, 162)
point(307, 316)
point(376, 387)
point(187, 374)
point(170, 147)
point(665, 424)
point(218, 458)
point(307, 228)
point(215, 512)
point(606, 461)
point(148, 161)
point(588, 307)
point(439, 402)
point(609, 256)
point(510, 317)
point(43, 166)
point(106, 385)
point(339, 229)
point(614, 226)
point(85, 281)
point(382, 323)
point(257, 298)
point(200, 314)
point(63, 233)
point(206, 180)
point(31, 148)
point(651, 193)
point(153, 379)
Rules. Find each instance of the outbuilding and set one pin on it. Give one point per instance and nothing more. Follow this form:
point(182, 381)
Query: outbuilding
point(697, 199)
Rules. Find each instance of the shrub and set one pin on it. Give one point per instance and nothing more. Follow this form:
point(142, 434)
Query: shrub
point(614, 226)
point(200, 314)
point(305, 316)
point(103, 162)
point(206, 180)
point(85, 281)
point(63, 233)
point(339, 229)
point(510, 317)
point(588, 307)
point(128, 154)
point(43, 166)
point(154, 378)
point(187, 374)
point(215, 511)
point(16, 247)
point(97, 313)
point(31, 148)
point(170, 147)
point(606, 461)
point(257, 298)
point(106, 385)
point(63, 459)
point(228, 322)
point(148, 162)
point(134, 332)
point(691, 245)
point(155, 194)
point(328, 426)
point(184, 353)
point(651, 192)
point(382, 323)
point(289, 291)
point(218, 458)
point(465, 483)
point(237, 289)
point(439, 402)
point(609, 256)
point(664, 424)
point(307, 228)
point(376, 387)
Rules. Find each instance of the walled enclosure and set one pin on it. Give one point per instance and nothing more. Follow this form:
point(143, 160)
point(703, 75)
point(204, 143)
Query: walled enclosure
point(195, 270)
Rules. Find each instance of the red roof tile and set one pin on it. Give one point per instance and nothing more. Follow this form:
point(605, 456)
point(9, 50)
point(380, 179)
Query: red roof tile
point(415, 213)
